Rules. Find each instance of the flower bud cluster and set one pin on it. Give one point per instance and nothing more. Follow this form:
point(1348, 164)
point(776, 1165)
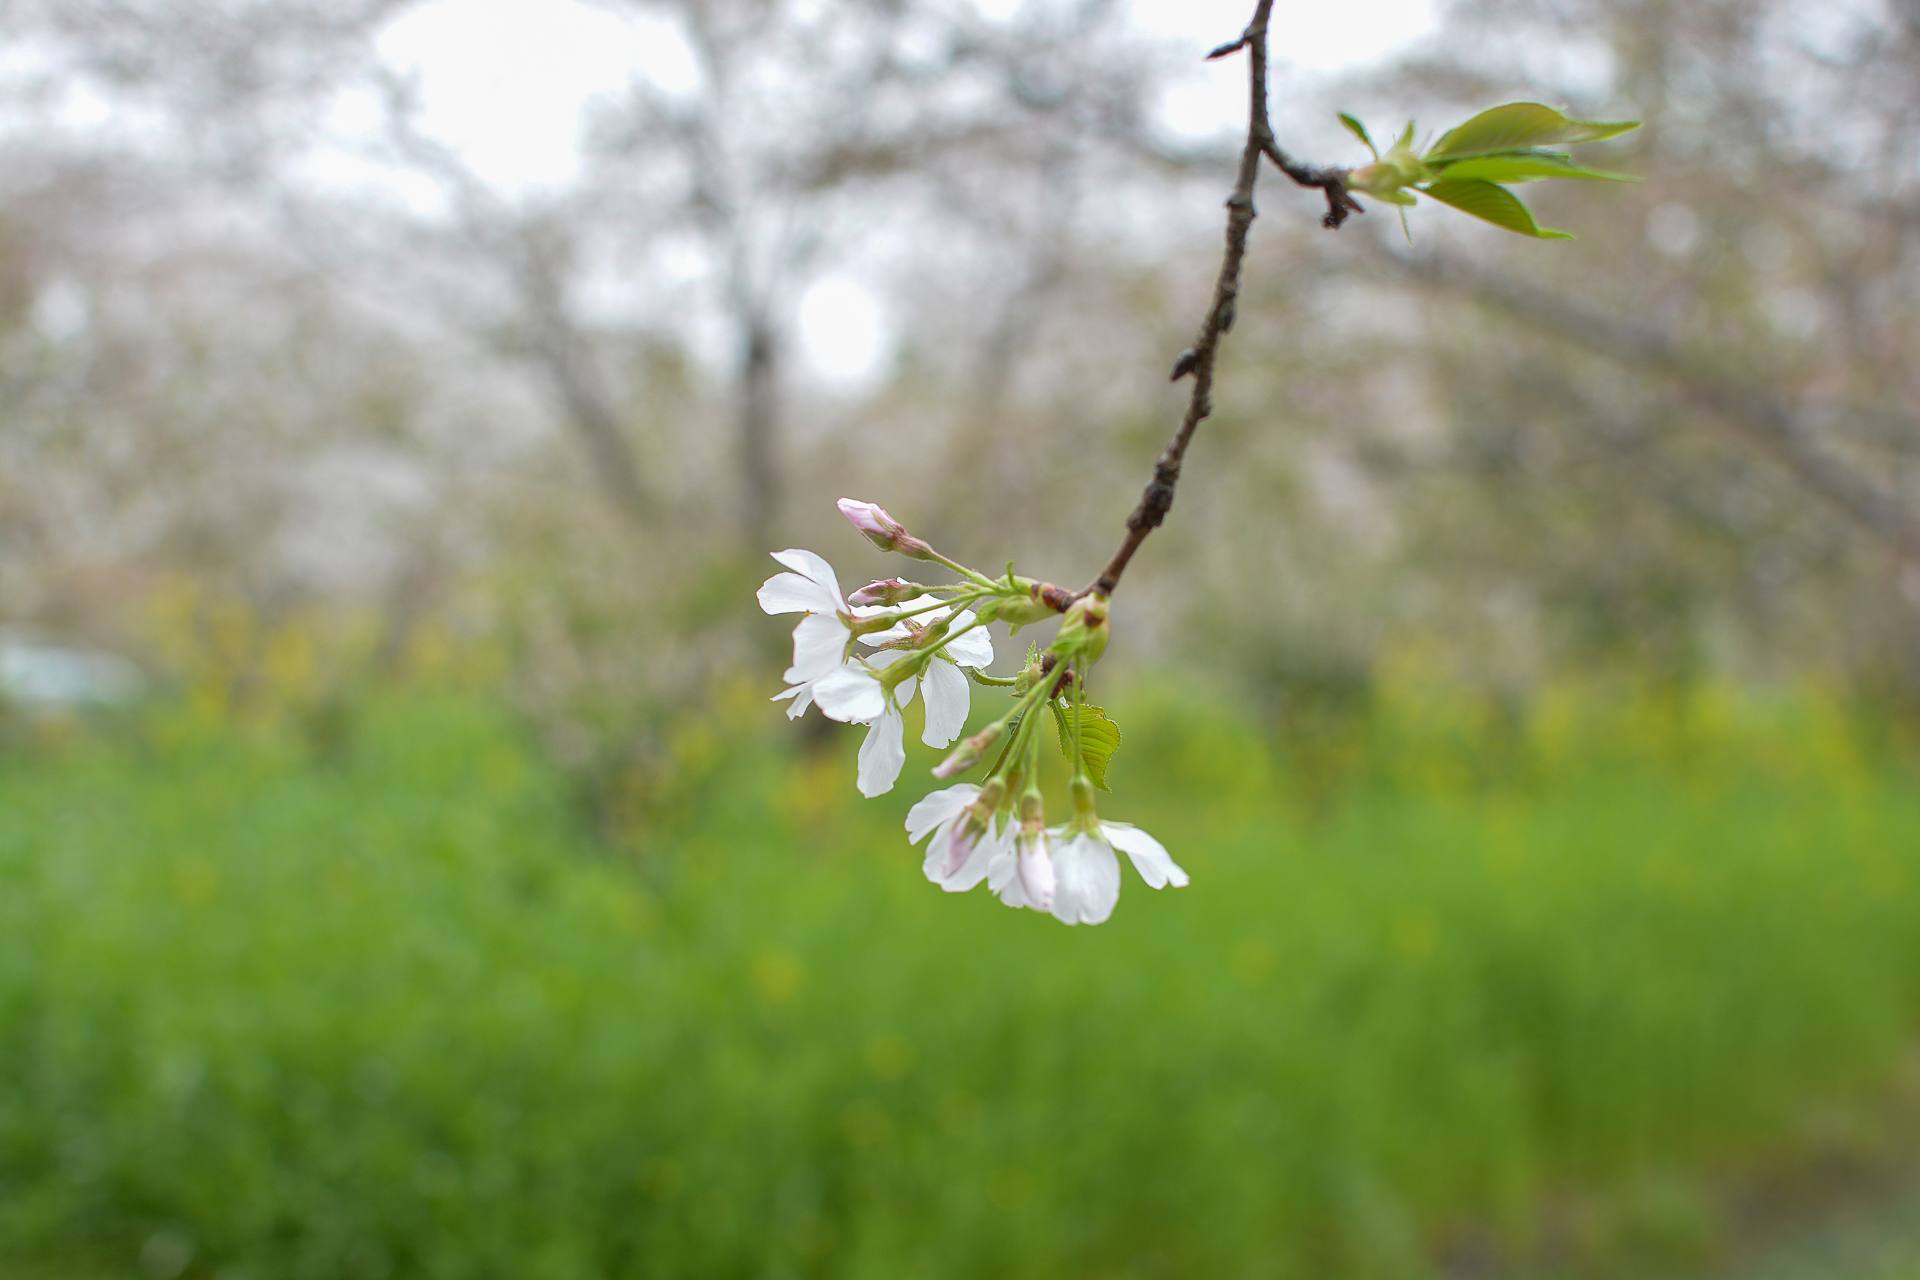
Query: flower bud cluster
point(861, 658)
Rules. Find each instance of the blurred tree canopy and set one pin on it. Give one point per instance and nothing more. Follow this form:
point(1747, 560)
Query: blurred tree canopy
point(259, 372)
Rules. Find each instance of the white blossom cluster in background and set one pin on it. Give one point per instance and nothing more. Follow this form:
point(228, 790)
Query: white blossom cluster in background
point(860, 659)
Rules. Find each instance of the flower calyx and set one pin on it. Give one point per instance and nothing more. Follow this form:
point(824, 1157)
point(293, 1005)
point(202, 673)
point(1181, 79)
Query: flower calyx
point(1083, 635)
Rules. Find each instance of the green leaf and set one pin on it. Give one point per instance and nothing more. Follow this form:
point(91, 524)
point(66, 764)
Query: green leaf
point(1405, 141)
point(1524, 166)
point(1518, 126)
point(1099, 738)
point(1492, 204)
point(1359, 131)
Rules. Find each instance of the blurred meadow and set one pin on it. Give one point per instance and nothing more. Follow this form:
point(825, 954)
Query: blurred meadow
point(403, 872)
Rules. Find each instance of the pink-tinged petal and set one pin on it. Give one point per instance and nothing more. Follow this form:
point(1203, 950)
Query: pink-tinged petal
point(791, 593)
point(962, 839)
point(971, 872)
point(850, 695)
point(1149, 857)
point(937, 807)
point(882, 755)
point(946, 703)
point(872, 521)
point(802, 696)
point(941, 851)
point(1036, 872)
point(819, 647)
point(974, 649)
point(958, 855)
point(809, 565)
point(1086, 881)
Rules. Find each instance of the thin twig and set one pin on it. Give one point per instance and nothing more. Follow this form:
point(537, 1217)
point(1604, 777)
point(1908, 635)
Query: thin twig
point(1198, 360)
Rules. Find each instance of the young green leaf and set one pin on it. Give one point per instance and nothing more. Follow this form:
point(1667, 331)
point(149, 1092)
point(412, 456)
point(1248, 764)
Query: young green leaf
point(1493, 204)
point(1099, 738)
point(1518, 126)
point(1524, 166)
point(1359, 131)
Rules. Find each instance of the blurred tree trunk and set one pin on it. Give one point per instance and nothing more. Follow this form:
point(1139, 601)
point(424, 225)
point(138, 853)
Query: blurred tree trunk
point(757, 428)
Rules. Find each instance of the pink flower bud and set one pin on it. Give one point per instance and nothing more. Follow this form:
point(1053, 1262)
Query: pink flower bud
point(873, 522)
point(885, 591)
point(881, 529)
point(968, 753)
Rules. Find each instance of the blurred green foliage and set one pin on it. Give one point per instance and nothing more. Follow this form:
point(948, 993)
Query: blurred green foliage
point(1520, 982)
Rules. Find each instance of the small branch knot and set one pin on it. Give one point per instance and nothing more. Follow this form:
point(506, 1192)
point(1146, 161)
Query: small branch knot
point(1058, 599)
point(1156, 500)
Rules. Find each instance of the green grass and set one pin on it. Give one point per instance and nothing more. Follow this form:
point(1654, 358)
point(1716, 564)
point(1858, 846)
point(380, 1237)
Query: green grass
point(392, 1014)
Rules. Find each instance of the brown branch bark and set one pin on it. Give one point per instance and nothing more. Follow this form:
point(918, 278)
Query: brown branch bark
point(1198, 360)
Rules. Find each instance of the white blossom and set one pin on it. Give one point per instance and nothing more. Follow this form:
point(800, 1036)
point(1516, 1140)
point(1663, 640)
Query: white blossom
point(1021, 870)
point(962, 845)
point(949, 695)
point(856, 693)
point(822, 638)
point(1087, 874)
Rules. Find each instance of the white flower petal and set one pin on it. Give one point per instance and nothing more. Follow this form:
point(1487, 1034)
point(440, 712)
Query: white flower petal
point(809, 565)
point(1037, 879)
point(903, 692)
point(819, 648)
point(945, 852)
point(882, 754)
point(791, 593)
point(946, 703)
point(1003, 871)
point(972, 871)
point(802, 695)
point(937, 807)
point(1150, 858)
point(1086, 880)
point(851, 695)
point(974, 649)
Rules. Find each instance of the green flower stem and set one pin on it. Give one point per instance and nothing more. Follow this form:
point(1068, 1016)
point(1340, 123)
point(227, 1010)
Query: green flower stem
point(972, 575)
point(998, 682)
point(1079, 711)
point(1028, 704)
point(968, 597)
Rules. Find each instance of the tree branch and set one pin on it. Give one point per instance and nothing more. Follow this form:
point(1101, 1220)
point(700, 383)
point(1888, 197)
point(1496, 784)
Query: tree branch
point(1198, 360)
